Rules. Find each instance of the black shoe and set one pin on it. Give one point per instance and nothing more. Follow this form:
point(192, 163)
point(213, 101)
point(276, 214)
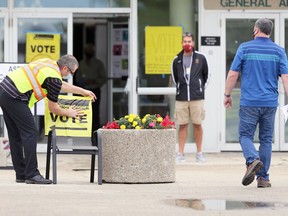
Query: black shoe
point(252, 169)
point(20, 180)
point(38, 179)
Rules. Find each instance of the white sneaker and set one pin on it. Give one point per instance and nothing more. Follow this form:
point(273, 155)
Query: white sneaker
point(180, 158)
point(200, 157)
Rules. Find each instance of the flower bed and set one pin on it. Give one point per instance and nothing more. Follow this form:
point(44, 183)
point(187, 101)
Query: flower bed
point(133, 121)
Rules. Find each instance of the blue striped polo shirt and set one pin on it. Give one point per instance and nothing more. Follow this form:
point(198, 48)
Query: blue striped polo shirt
point(260, 62)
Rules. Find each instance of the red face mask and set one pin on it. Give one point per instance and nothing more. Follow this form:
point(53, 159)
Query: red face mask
point(187, 48)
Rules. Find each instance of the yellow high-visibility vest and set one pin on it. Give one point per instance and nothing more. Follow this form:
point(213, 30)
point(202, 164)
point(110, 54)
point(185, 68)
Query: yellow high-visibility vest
point(31, 77)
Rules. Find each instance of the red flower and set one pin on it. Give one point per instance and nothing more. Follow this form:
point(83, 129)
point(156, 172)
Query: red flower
point(167, 123)
point(112, 125)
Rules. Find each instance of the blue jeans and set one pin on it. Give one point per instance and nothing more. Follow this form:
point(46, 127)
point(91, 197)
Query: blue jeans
point(249, 118)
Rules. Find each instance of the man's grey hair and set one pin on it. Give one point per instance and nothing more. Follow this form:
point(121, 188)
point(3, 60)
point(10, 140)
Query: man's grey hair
point(68, 60)
point(265, 25)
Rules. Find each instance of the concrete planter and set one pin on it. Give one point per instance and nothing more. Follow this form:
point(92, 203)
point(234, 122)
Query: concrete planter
point(138, 156)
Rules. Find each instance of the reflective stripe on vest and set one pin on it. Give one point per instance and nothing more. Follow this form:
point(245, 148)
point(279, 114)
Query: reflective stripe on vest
point(47, 62)
point(31, 75)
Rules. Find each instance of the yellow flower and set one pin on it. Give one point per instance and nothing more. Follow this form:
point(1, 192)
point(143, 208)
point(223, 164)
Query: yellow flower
point(126, 116)
point(159, 119)
point(144, 120)
point(137, 127)
point(134, 123)
point(130, 119)
point(132, 115)
point(122, 127)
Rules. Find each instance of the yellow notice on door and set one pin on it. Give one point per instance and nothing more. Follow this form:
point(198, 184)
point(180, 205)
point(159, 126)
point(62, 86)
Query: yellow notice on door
point(66, 126)
point(161, 46)
point(42, 45)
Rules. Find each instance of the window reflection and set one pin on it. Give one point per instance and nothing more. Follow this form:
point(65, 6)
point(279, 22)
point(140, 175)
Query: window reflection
point(42, 25)
point(159, 13)
point(158, 16)
point(71, 3)
point(3, 3)
point(154, 104)
point(120, 103)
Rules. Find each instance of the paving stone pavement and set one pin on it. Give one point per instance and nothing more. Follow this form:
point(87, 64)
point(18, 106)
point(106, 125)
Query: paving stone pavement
point(211, 188)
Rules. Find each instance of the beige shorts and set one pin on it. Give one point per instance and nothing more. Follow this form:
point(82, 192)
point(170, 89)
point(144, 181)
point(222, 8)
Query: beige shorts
point(186, 110)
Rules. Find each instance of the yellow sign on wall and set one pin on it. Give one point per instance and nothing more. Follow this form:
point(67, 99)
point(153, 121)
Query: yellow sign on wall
point(162, 43)
point(66, 126)
point(42, 45)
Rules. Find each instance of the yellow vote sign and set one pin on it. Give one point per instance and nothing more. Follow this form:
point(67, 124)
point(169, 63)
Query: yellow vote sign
point(162, 43)
point(67, 126)
point(42, 45)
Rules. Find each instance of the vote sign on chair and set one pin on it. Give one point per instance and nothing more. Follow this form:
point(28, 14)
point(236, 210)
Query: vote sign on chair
point(63, 126)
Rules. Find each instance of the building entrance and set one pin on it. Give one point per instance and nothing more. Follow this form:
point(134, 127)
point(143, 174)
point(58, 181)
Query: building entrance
point(233, 24)
point(109, 37)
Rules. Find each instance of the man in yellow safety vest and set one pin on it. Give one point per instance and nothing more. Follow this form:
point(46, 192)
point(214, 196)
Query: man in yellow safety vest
point(19, 91)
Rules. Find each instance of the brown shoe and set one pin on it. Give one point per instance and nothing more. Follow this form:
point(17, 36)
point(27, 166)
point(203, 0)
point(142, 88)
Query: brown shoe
point(262, 183)
point(252, 169)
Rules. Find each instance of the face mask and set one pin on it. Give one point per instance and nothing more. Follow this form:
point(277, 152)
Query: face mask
point(88, 55)
point(187, 48)
point(67, 76)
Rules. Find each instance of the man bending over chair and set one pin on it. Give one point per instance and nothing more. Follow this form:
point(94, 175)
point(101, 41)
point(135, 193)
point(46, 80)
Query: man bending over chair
point(19, 91)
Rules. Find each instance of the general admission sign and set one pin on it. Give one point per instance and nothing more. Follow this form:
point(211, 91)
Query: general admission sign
point(246, 4)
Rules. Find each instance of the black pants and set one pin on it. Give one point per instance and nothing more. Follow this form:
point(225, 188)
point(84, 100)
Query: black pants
point(23, 135)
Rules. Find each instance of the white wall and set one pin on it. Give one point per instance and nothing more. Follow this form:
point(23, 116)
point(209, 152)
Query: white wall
point(209, 25)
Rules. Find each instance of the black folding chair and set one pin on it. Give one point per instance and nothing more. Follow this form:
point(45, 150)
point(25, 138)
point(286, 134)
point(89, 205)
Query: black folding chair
point(93, 150)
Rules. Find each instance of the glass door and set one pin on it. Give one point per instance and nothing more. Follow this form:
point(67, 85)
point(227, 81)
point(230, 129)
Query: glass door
point(41, 23)
point(238, 29)
point(118, 71)
point(283, 97)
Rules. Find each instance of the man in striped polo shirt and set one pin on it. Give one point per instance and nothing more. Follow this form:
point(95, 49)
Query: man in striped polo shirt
point(19, 91)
